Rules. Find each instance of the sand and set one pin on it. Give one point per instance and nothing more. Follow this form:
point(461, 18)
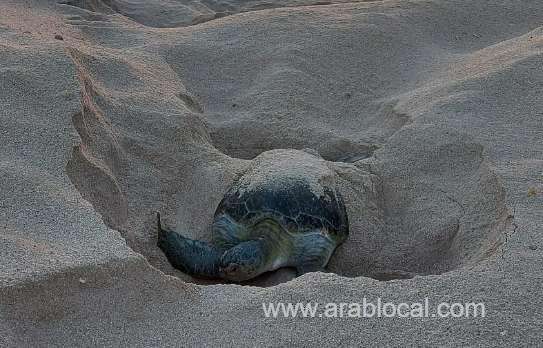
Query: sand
point(427, 115)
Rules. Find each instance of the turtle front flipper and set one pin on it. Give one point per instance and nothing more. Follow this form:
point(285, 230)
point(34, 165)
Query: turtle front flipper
point(194, 257)
point(312, 252)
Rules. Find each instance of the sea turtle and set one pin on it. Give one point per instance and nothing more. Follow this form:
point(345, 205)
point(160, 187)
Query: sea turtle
point(280, 214)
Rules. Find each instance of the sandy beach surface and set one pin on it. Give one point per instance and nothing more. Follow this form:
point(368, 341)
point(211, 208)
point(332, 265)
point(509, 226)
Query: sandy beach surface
point(426, 114)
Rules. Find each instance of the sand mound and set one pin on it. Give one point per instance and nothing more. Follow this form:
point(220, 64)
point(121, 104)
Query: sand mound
point(439, 207)
point(180, 13)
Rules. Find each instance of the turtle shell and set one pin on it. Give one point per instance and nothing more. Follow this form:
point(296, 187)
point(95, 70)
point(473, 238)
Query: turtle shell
point(292, 203)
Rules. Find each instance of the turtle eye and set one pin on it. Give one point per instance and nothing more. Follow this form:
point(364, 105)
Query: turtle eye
point(233, 267)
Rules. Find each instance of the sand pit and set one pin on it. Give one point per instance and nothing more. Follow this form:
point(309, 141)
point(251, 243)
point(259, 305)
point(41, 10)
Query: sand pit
point(437, 184)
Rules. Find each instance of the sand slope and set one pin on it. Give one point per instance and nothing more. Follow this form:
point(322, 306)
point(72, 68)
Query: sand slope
point(427, 112)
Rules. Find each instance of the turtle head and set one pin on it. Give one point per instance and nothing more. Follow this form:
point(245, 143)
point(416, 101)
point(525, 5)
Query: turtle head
point(244, 261)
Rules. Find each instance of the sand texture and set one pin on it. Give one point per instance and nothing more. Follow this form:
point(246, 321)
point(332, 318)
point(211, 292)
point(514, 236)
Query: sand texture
point(427, 115)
